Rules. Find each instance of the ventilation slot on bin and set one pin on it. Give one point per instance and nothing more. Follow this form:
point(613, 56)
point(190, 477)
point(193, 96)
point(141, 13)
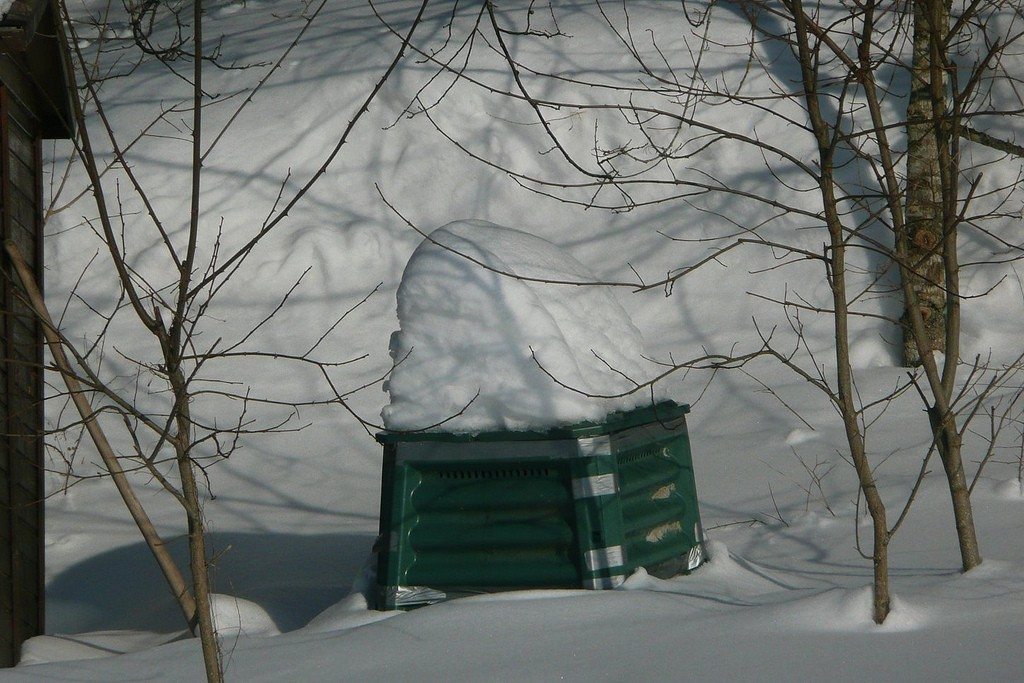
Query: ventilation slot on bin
point(639, 455)
point(506, 473)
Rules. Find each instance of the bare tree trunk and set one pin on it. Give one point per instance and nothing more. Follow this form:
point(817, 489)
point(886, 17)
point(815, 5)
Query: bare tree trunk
point(156, 544)
point(924, 194)
point(927, 252)
point(200, 570)
point(949, 443)
point(197, 559)
point(836, 256)
point(881, 601)
point(172, 343)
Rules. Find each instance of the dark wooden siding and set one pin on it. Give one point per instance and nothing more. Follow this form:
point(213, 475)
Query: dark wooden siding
point(21, 493)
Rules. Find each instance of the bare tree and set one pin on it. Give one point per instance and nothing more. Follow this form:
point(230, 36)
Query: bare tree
point(179, 414)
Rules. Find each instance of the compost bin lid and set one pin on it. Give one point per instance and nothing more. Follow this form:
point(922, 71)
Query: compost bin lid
point(666, 412)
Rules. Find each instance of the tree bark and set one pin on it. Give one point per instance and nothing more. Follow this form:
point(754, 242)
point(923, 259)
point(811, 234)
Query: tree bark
point(927, 252)
point(924, 193)
point(950, 446)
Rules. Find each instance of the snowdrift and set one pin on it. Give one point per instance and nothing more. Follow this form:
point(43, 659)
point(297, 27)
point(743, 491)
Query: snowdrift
point(502, 330)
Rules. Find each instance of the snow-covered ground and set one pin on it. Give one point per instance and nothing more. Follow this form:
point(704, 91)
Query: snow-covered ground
point(786, 594)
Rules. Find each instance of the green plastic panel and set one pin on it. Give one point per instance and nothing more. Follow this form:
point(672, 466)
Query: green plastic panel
point(579, 506)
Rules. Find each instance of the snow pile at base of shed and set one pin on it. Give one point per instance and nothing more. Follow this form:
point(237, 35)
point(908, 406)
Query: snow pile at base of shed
point(483, 345)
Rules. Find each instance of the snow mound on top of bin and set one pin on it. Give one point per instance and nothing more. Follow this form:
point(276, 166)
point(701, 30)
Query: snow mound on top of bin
point(475, 346)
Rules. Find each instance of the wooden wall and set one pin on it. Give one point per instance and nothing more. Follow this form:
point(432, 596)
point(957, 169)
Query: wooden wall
point(21, 388)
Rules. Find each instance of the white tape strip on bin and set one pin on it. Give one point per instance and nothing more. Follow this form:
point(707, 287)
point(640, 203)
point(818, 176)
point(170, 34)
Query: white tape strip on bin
point(596, 485)
point(604, 558)
point(594, 445)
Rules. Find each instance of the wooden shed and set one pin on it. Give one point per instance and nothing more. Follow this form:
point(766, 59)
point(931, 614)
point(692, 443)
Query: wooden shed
point(34, 104)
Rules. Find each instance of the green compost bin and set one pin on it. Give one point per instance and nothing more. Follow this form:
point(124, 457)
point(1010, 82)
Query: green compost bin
point(581, 506)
